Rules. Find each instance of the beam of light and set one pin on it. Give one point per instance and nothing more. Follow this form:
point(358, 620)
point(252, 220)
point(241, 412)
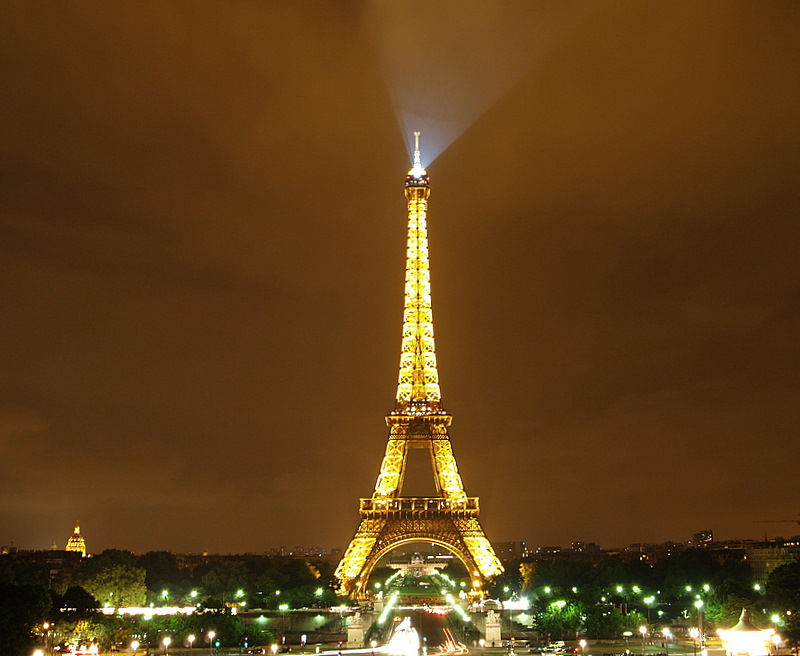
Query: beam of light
point(448, 62)
point(388, 607)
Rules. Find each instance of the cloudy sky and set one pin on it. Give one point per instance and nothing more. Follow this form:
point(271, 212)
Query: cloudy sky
point(202, 229)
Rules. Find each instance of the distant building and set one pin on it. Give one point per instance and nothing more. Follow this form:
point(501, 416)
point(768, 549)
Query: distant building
point(511, 550)
point(548, 551)
point(651, 553)
point(53, 563)
point(76, 541)
point(418, 566)
point(765, 557)
point(702, 538)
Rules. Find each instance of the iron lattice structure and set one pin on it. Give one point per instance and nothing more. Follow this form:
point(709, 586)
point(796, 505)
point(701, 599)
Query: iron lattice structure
point(418, 421)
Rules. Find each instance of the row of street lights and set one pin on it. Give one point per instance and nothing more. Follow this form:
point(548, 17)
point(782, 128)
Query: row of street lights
point(167, 641)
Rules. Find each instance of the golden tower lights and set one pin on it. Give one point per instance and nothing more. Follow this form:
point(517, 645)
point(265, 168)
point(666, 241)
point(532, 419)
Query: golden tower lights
point(417, 421)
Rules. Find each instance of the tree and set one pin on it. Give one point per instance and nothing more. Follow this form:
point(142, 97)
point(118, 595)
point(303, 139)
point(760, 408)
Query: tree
point(22, 607)
point(783, 588)
point(559, 619)
point(225, 578)
point(162, 570)
point(116, 585)
point(75, 603)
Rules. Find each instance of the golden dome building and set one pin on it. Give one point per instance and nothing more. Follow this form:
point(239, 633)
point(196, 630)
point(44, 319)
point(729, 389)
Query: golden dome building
point(76, 541)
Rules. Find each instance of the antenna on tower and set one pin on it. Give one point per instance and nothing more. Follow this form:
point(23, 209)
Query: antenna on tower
point(416, 171)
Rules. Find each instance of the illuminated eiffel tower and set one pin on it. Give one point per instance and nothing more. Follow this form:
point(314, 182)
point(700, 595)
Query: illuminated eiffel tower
point(418, 421)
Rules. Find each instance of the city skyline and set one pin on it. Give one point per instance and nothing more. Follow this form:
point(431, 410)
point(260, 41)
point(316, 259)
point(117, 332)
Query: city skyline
point(202, 245)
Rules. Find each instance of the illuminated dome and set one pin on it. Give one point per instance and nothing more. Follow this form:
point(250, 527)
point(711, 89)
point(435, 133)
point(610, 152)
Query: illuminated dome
point(76, 541)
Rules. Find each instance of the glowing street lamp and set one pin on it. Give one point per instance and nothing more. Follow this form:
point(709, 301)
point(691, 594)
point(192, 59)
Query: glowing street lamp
point(46, 629)
point(643, 631)
point(694, 633)
point(582, 643)
point(211, 635)
point(373, 644)
point(166, 642)
point(667, 635)
point(698, 604)
point(190, 640)
point(135, 646)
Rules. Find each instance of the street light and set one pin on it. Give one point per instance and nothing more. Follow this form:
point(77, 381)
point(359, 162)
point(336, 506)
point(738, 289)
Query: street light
point(649, 600)
point(166, 642)
point(211, 635)
point(667, 633)
point(698, 604)
point(190, 640)
point(373, 644)
point(135, 646)
point(643, 631)
point(511, 632)
point(582, 643)
point(283, 608)
point(694, 633)
point(482, 645)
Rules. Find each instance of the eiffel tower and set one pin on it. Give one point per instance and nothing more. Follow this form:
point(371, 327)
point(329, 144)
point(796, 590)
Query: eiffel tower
point(418, 421)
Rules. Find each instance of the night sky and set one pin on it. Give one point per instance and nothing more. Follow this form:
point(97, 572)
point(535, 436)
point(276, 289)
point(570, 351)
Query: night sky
point(202, 251)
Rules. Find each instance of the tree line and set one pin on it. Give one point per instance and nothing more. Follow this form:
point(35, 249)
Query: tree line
point(64, 609)
point(603, 597)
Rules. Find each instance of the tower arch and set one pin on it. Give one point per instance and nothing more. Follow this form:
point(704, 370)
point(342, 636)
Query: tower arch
point(458, 550)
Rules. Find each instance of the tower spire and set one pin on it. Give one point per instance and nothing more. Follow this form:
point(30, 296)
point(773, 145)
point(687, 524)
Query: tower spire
point(417, 168)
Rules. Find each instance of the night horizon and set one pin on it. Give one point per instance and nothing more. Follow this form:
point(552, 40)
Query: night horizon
point(203, 240)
